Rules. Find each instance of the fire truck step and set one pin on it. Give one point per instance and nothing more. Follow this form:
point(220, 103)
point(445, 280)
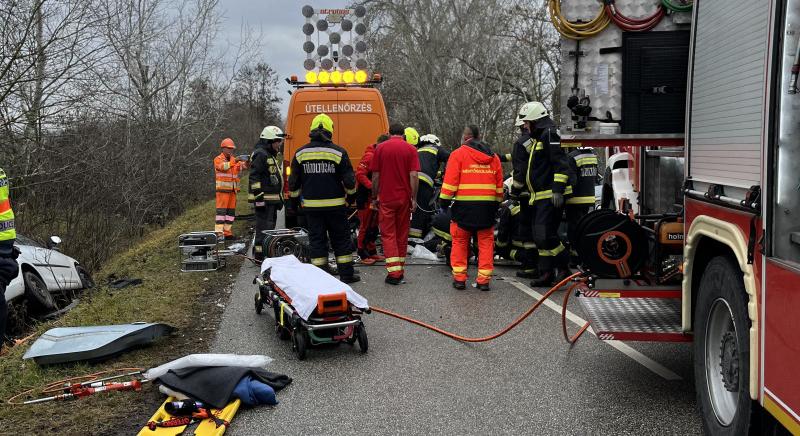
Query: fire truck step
point(635, 319)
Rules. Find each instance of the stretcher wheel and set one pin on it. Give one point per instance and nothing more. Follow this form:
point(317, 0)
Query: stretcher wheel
point(258, 303)
point(363, 342)
point(300, 343)
point(282, 333)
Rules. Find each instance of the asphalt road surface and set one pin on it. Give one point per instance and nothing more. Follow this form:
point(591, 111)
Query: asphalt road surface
point(413, 381)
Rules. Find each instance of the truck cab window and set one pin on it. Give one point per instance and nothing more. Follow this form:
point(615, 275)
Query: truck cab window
point(786, 204)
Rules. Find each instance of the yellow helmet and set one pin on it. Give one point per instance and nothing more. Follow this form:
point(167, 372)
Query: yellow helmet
point(412, 136)
point(323, 121)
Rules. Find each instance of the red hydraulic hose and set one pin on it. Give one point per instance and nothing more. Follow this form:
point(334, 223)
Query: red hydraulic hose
point(507, 329)
point(574, 338)
point(629, 24)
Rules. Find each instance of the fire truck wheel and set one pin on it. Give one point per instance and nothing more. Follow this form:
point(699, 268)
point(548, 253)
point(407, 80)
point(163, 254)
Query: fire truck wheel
point(722, 350)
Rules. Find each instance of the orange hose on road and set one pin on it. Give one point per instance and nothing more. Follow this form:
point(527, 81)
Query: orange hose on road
point(501, 332)
point(574, 338)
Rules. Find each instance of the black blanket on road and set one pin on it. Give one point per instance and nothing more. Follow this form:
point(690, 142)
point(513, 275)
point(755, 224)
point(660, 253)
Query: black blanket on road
point(214, 385)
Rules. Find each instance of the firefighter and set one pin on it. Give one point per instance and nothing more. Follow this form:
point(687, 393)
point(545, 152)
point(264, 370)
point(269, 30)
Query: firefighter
point(266, 184)
point(394, 185)
point(8, 253)
point(473, 182)
point(367, 212)
point(321, 174)
point(548, 174)
point(226, 172)
point(431, 158)
point(583, 162)
point(523, 247)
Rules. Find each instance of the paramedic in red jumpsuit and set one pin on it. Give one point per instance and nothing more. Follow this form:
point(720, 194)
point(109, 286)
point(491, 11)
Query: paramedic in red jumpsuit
point(394, 185)
point(367, 213)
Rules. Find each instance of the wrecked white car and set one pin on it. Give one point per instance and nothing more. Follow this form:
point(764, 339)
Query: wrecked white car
point(44, 272)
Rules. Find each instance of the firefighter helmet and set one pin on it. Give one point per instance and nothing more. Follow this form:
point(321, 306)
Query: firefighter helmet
point(227, 143)
point(532, 111)
point(272, 133)
point(412, 136)
point(322, 121)
point(430, 139)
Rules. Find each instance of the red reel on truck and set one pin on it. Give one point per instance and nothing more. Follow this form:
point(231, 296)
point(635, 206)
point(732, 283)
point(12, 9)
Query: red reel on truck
point(611, 245)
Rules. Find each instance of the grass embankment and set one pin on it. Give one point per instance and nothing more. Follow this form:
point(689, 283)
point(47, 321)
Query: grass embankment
point(186, 301)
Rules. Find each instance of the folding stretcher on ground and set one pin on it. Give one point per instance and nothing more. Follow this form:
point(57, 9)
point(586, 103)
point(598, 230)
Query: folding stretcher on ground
point(311, 307)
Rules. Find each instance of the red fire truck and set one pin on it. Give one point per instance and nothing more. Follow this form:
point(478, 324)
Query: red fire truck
point(711, 254)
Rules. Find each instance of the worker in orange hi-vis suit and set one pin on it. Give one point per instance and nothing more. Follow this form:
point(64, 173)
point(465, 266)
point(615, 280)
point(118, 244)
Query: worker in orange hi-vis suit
point(473, 182)
point(226, 173)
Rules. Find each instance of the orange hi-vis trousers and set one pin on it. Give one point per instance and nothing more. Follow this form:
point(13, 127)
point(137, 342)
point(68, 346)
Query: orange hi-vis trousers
point(459, 254)
point(226, 212)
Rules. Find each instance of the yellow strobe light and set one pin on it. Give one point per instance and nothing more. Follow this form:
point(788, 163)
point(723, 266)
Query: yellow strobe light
point(311, 76)
point(349, 76)
point(361, 76)
point(324, 77)
point(336, 76)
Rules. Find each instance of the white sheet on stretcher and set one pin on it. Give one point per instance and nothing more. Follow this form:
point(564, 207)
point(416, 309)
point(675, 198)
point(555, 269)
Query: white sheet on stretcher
point(303, 283)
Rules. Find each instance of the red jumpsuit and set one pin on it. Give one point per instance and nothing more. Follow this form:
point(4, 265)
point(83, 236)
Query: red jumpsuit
point(367, 215)
point(474, 182)
point(226, 173)
point(394, 161)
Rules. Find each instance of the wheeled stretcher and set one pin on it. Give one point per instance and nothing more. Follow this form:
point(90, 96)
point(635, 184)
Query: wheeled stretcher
point(311, 307)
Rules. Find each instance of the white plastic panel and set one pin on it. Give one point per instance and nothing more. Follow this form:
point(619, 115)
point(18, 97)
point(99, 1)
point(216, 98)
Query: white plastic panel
point(728, 91)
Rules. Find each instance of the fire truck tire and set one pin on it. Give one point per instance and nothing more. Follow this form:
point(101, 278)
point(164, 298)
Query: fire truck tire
point(722, 350)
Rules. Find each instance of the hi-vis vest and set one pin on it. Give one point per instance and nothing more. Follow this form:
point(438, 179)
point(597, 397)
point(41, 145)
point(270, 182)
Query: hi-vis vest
point(7, 230)
point(226, 173)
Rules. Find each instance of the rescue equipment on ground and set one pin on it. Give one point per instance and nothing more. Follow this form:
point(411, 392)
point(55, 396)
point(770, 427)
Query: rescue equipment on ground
point(73, 344)
point(310, 306)
point(286, 242)
point(84, 385)
point(204, 420)
point(205, 251)
point(195, 360)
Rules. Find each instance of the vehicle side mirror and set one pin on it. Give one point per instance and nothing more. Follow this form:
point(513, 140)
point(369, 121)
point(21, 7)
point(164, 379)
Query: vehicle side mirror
point(54, 243)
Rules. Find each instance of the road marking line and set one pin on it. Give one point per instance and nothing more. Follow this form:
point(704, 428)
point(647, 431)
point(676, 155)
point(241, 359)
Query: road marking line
point(622, 347)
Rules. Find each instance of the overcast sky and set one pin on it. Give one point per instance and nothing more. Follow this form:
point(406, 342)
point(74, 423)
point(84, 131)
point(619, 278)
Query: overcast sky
point(280, 23)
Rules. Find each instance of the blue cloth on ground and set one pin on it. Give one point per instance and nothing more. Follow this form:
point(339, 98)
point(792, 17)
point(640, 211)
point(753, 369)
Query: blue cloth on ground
point(252, 392)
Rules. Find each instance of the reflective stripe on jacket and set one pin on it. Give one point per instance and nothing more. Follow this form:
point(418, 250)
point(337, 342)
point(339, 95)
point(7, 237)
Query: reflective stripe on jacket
point(474, 181)
point(583, 162)
point(226, 173)
point(7, 230)
point(548, 165)
point(266, 183)
point(322, 174)
point(431, 158)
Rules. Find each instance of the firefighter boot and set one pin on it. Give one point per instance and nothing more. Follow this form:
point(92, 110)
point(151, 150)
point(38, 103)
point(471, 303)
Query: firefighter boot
point(460, 285)
point(545, 280)
point(528, 274)
point(483, 287)
point(350, 279)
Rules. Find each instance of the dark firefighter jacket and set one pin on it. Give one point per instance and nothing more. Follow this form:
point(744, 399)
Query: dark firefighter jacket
point(321, 174)
point(519, 162)
point(548, 165)
point(266, 183)
point(474, 182)
point(431, 158)
point(583, 162)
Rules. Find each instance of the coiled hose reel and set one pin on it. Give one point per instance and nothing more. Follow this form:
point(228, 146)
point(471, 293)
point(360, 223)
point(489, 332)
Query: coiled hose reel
point(611, 245)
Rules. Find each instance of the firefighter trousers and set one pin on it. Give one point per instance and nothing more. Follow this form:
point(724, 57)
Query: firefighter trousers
point(266, 216)
point(459, 254)
point(522, 243)
point(367, 230)
point(574, 214)
point(421, 218)
point(552, 253)
point(226, 212)
point(394, 220)
point(333, 224)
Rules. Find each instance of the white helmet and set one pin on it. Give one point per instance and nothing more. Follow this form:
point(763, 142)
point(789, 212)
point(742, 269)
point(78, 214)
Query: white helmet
point(430, 139)
point(272, 133)
point(532, 111)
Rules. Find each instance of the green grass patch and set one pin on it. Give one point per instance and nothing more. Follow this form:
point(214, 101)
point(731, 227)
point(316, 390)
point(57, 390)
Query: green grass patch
point(186, 301)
